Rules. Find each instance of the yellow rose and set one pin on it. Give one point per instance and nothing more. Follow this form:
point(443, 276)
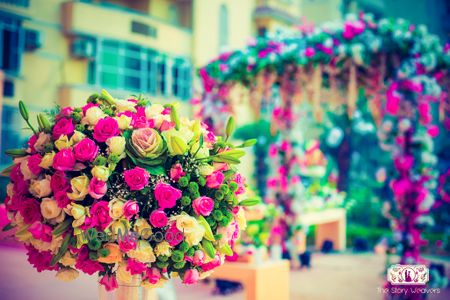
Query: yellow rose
point(77, 136)
point(61, 217)
point(163, 248)
point(177, 140)
point(185, 223)
point(116, 208)
point(42, 140)
point(63, 142)
point(92, 116)
point(143, 252)
point(154, 112)
point(123, 121)
point(195, 236)
point(205, 170)
point(50, 208)
point(122, 225)
point(80, 187)
point(47, 160)
point(67, 274)
point(142, 227)
point(101, 172)
point(78, 212)
point(52, 246)
point(114, 254)
point(116, 145)
point(40, 188)
point(240, 219)
point(123, 276)
point(68, 260)
point(22, 234)
point(125, 105)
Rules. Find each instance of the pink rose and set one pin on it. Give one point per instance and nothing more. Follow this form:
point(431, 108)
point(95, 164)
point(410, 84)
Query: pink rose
point(424, 112)
point(214, 180)
point(191, 276)
point(64, 112)
point(433, 131)
point(240, 180)
point(85, 264)
point(135, 267)
point(392, 99)
point(106, 128)
point(173, 235)
point(40, 260)
point(158, 218)
point(31, 141)
point(309, 52)
point(404, 163)
point(136, 178)
point(100, 218)
point(153, 275)
point(63, 126)
point(85, 150)
point(130, 208)
point(127, 243)
point(41, 231)
point(62, 199)
point(212, 264)
point(59, 182)
point(203, 206)
point(166, 195)
point(97, 188)
point(30, 210)
point(176, 172)
point(64, 160)
point(109, 282)
point(139, 119)
point(33, 163)
point(166, 125)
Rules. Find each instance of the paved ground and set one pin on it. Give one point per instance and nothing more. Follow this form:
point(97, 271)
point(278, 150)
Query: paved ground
point(338, 276)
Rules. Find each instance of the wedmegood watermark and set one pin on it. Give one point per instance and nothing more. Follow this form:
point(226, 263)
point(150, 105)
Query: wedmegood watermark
point(408, 274)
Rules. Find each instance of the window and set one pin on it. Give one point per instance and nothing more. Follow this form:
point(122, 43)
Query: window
point(10, 132)
point(181, 79)
point(119, 65)
point(22, 3)
point(11, 45)
point(223, 26)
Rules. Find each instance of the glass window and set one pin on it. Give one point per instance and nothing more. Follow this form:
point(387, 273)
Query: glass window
point(10, 132)
point(130, 67)
point(11, 45)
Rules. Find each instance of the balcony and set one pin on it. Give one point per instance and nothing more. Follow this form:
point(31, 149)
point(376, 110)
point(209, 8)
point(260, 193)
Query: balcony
point(97, 20)
point(287, 12)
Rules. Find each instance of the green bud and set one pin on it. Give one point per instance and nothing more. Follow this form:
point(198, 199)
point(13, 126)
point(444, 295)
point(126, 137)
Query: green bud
point(162, 264)
point(219, 195)
point(94, 244)
point(193, 187)
point(224, 222)
point(216, 204)
point(77, 110)
point(179, 265)
point(174, 117)
point(114, 158)
point(103, 252)
point(183, 181)
point(105, 96)
point(80, 127)
point(108, 111)
point(185, 200)
point(211, 222)
point(48, 147)
point(93, 98)
point(217, 214)
point(23, 111)
point(44, 122)
point(77, 117)
point(177, 256)
point(93, 256)
point(195, 195)
point(163, 258)
point(233, 186)
point(224, 188)
point(100, 161)
point(229, 128)
point(184, 246)
point(190, 252)
point(202, 181)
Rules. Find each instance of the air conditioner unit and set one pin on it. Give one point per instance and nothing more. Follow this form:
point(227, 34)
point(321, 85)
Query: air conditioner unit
point(33, 39)
point(83, 48)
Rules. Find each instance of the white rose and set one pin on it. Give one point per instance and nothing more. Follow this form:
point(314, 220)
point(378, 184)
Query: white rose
point(92, 116)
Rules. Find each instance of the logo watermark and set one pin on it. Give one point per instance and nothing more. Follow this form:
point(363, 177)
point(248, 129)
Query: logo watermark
point(408, 274)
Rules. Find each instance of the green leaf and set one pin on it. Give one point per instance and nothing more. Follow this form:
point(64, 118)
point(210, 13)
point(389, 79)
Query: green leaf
point(62, 250)
point(7, 170)
point(8, 227)
point(226, 249)
point(174, 117)
point(155, 170)
point(208, 232)
point(61, 227)
point(250, 201)
point(209, 248)
point(16, 152)
point(248, 143)
point(231, 124)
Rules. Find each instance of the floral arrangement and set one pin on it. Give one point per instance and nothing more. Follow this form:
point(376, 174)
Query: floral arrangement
point(125, 188)
point(404, 72)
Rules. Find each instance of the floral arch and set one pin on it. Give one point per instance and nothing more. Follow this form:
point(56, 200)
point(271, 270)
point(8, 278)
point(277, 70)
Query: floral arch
point(403, 70)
